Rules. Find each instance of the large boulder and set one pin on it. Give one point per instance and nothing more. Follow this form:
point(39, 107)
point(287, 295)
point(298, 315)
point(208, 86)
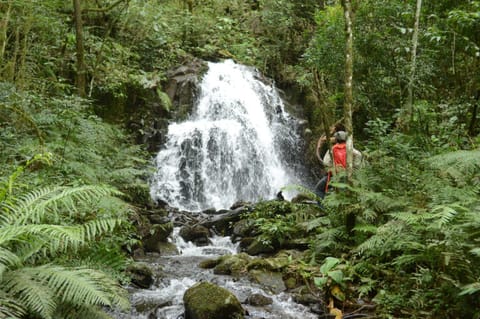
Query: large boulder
point(209, 301)
point(198, 234)
point(233, 265)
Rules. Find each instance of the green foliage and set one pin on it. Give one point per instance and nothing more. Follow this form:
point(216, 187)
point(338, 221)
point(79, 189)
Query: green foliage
point(43, 235)
point(278, 221)
point(417, 226)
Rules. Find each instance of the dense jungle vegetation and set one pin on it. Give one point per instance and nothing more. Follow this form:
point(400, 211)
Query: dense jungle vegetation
point(72, 174)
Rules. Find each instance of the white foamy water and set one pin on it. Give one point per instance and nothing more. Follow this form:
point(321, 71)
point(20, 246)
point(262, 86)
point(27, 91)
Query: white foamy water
point(233, 147)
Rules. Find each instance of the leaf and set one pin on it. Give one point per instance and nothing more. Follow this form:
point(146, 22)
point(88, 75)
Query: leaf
point(329, 263)
point(337, 293)
point(320, 281)
point(336, 275)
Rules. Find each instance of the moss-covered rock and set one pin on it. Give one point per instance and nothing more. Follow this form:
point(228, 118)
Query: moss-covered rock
point(259, 300)
point(233, 265)
point(141, 275)
point(272, 281)
point(209, 301)
point(258, 247)
point(209, 263)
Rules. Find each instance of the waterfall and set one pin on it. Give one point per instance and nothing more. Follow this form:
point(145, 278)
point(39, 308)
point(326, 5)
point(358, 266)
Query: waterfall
point(239, 144)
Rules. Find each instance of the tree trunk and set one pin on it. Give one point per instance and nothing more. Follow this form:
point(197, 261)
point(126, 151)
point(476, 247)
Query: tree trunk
point(3, 29)
point(408, 112)
point(81, 69)
point(348, 102)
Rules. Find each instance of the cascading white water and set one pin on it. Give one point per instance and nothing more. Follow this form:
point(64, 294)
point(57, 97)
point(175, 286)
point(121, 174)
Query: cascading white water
point(233, 147)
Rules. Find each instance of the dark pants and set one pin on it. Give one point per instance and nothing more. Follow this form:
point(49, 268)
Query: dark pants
point(321, 186)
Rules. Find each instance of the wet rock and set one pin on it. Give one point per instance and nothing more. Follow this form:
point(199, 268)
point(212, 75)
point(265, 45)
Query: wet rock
point(233, 265)
point(158, 219)
point(242, 228)
point(258, 247)
point(182, 87)
point(167, 249)
point(271, 264)
point(290, 282)
point(258, 300)
point(305, 299)
point(296, 243)
point(271, 281)
point(197, 234)
point(209, 263)
point(206, 300)
point(223, 222)
point(158, 233)
point(240, 204)
point(141, 275)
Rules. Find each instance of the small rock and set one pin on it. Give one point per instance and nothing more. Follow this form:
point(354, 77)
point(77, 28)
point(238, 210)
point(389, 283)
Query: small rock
point(258, 300)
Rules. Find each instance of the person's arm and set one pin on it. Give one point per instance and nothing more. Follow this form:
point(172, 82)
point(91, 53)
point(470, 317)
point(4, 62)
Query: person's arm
point(327, 160)
point(320, 143)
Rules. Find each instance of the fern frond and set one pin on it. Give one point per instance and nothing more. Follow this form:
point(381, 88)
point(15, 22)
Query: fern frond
point(10, 308)
point(459, 165)
point(97, 227)
point(470, 289)
point(30, 292)
point(34, 206)
point(7, 259)
point(384, 240)
point(81, 286)
point(444, 214)
point(69, 311)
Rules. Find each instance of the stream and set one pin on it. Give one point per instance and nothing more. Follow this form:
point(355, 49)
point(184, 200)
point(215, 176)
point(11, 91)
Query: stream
point(239, 144)
point(164, 300)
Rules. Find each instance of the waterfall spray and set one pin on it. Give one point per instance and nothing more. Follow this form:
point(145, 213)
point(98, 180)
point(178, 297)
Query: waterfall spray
point(232, 147)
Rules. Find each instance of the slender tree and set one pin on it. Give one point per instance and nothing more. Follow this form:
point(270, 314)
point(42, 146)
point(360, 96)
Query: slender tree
point(348, 102)
point(81, 68)
point(408, 112)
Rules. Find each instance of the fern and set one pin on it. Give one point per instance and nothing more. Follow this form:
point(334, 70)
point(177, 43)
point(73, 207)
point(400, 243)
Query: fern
point(45, 203)
point(26, 243)
point(29, 291)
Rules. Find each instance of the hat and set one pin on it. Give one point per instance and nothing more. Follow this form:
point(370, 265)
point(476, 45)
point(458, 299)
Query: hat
point(340, 136)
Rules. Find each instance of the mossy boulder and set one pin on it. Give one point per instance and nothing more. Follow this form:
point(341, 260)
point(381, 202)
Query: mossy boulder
point(209, 263)
point(271, 281)
point(141, 275)
point(205, 300)
point(233, 265)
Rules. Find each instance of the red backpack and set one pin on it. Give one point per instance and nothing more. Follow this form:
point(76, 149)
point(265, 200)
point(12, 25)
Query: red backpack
point(339, 159)
point(340, 155)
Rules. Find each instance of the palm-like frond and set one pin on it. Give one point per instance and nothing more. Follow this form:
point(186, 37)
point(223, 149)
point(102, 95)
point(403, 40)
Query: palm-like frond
point(81, 286)
point(35, 206)
point(29, 291)
point(26, 239)
point(76, 286)
point(69, 311)
point(10, 308)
